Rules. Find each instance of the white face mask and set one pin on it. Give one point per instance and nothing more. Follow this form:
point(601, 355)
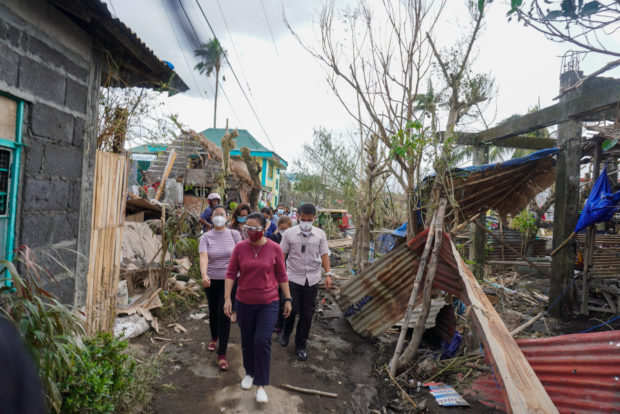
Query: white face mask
point(305, 225)
point(282, 231)
point(219, 221)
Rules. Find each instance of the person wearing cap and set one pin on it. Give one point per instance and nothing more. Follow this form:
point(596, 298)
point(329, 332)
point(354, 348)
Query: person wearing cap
point(205, 217)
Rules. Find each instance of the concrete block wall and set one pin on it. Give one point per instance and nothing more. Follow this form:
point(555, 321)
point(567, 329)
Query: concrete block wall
point(54, 82)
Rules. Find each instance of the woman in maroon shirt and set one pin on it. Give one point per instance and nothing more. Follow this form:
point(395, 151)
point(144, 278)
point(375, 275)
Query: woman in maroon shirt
point(260, 265)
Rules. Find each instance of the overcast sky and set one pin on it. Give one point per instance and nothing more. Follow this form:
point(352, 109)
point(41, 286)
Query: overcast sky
point(287, 86)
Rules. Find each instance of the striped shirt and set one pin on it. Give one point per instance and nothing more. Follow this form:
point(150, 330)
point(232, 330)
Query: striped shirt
point(219, 244)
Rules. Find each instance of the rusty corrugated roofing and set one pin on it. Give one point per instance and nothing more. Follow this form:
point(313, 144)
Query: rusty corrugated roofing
point(580, 372)
point(376, 299)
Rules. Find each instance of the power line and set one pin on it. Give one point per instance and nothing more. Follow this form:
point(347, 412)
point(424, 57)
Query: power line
point(237, 79)
point(269, 27)
point(234, 47)
point(191, 70)
point(232, 108)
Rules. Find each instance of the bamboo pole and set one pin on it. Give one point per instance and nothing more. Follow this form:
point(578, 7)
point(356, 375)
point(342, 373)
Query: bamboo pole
point(414, 294)
point(309, 391)
point(557, 249)
point(428, 287)
point(526, 324)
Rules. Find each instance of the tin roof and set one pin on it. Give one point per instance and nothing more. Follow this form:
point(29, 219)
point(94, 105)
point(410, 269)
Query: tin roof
point(135, 64)
point(580, 372)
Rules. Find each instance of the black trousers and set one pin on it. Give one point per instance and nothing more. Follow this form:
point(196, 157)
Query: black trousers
point(304, 303)
point(218, 321)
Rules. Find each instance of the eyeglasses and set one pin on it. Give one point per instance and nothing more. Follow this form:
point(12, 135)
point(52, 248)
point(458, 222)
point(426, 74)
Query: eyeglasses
point(253, 228)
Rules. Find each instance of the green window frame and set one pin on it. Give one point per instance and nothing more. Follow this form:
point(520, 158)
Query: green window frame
point(10, 165)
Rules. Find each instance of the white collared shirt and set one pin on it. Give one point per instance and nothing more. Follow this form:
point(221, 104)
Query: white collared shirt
point(304, 263)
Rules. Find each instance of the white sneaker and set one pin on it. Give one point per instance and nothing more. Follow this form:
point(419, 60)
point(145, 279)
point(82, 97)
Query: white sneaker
point(261, 396)
point(246, 383)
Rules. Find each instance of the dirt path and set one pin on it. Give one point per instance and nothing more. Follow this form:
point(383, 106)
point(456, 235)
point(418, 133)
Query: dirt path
point(339, 362)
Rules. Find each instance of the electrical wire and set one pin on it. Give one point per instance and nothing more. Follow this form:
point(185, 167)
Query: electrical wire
point(221, 87)
point(269, 27)
point(234, 47)
point(191, 69)
point(237, 79)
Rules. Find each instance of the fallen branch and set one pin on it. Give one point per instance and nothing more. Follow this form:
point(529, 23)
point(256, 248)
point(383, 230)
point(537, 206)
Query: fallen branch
point(527, 324)
point(308, 391)
point(399, 387)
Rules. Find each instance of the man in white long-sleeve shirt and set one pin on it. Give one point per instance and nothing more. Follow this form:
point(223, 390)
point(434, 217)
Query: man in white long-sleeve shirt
point(305, 249)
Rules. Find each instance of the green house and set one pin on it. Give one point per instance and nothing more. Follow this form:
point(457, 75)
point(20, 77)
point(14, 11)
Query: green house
point(271, 162)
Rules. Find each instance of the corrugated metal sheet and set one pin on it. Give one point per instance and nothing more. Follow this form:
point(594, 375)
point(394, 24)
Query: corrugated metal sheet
point(436, 306)
point(580, 372)
point(376, 299)
point(515, 240)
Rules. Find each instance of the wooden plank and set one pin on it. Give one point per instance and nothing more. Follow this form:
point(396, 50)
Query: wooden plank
point(517, 141)
point(588, 99)
point(522, 390)
point(164, 177)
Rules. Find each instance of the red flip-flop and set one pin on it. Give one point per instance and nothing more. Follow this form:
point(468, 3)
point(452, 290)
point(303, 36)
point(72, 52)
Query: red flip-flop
point(223, 365)
point(212, 345)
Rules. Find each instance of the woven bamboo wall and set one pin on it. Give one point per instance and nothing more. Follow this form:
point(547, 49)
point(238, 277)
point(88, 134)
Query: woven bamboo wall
point(105, 240)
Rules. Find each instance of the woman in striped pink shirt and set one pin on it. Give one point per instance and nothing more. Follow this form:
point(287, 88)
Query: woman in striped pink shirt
point(216, 247)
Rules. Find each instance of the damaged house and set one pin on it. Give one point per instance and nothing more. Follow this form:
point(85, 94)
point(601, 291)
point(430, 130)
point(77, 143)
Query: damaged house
point(56, 54)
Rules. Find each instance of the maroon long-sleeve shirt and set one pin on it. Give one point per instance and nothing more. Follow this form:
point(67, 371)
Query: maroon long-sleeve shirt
point(258, 277)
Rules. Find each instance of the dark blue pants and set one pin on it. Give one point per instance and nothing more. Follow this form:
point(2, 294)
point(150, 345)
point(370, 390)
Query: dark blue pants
point(256, 324)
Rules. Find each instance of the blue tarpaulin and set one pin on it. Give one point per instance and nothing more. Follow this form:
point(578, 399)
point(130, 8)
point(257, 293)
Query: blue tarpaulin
point(401, 231)
point(601, 204)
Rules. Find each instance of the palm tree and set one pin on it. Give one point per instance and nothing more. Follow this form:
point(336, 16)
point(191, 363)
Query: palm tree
point(212, 57)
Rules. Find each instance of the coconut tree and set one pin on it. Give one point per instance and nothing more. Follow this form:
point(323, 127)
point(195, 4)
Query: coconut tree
point(212, 57)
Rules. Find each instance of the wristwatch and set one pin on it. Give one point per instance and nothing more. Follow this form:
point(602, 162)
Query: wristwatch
point(288, 300)
point(330, 273)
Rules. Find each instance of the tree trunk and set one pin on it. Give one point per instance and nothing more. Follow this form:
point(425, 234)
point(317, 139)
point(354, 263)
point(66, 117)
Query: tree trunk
point(217, 87)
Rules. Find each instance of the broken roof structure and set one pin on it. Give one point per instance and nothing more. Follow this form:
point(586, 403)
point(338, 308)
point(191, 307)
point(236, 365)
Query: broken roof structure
point(506, 187)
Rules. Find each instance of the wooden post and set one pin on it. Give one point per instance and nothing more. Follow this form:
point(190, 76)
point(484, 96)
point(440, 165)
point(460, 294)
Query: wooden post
point(164, 248)
point(590, 233)
point(477, 250)
point(566, 205)
point(164, 177)
point(428, 287)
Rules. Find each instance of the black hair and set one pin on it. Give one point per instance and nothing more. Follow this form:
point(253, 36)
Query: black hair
point(219, 206)
point(257, 216)
point(307, 208)
point(265, 210)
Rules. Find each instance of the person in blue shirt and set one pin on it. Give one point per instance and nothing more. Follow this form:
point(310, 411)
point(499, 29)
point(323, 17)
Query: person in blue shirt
point(205, 217)
point(270, 226)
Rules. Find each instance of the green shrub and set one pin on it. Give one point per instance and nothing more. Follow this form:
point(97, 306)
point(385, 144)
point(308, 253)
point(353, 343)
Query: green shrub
point(99, 378)
point(50, 329)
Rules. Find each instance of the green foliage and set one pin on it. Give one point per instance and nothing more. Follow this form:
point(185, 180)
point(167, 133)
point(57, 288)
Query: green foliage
point(524, 222)
point(107, 379)
point(211, 55)
point(49, 328)
point(99, 377)
point(326, 174)
point(409, 141)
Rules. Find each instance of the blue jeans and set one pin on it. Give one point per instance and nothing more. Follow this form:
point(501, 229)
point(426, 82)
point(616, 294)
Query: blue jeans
point(256, 324)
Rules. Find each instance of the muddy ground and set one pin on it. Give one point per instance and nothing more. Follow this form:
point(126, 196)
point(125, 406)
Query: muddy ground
point(339, 362)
